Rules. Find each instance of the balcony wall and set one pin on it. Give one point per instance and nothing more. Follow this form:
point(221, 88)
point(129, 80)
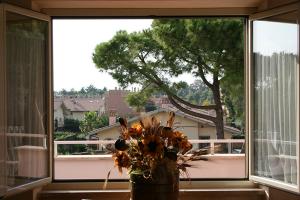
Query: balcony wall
point(97, 167)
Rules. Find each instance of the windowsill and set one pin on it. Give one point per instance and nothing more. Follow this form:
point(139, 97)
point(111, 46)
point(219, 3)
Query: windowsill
point(232, 190)
point(184, 185)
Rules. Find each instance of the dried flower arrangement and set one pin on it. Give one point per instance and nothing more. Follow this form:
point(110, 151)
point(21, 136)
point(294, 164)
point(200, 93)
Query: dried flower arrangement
point(146, 145)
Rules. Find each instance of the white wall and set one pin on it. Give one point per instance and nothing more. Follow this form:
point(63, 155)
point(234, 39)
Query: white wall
point(78, 115)
point(189, 127)
point(59, 115)
point(97, 167)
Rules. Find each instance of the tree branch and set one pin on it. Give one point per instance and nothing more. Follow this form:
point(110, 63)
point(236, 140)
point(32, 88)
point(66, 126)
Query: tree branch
point(196, 114)
point(208, 107)
point(170, 93)
point(161, 84)
point(202, 75)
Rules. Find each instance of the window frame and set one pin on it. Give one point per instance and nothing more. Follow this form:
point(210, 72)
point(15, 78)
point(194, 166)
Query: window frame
point(4, 7)
point(173, 14)
point(250, 100)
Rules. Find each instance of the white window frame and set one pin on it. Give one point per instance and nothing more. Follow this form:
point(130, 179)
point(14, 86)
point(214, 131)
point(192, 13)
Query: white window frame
point(263, 180)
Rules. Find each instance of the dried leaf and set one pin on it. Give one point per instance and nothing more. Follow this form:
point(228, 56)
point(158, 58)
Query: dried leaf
point(123, 122)
point(171, 119)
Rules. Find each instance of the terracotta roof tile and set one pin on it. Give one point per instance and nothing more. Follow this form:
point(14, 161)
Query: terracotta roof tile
point(83, 104)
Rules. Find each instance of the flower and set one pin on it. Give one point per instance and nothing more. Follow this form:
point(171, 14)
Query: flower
point(153, 146)
point(146, 145)
point(180, 141)
point(121, 159)
point(135, 130)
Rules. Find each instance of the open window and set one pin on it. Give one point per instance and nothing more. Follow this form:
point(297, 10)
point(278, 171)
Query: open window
point(25, 105)
point(274, 97)
point(87, 147)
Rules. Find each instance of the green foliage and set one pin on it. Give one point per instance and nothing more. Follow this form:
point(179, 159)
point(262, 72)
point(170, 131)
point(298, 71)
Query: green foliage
point(150, 106)
point(196, 93)
point(238, 136)
point(71, 125)
point(92, 121)
point(137, 100)
point(90, 91)
point(68, 136)
point(70, 149)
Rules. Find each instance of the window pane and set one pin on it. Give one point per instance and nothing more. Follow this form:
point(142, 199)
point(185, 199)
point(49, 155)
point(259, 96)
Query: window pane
point(275, 46)
point(26, 47)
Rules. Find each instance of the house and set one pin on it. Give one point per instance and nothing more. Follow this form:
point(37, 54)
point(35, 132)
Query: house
point(193, 127)
point(75, 108)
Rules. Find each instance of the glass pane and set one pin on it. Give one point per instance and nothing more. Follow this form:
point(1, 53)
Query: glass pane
point(275, 46)
point(26, 48)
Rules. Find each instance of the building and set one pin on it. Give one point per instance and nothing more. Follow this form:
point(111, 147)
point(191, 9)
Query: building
point(75, 108)
point(58, 113)
point(115, 104)
point(193, 127)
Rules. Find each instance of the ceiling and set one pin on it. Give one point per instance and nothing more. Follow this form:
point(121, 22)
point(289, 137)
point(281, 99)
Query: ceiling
point(146, 3)
point(67, 7)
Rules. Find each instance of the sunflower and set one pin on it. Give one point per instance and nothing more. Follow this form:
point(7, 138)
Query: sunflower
point(121, 159)
point(153, 146)
point(180, 141)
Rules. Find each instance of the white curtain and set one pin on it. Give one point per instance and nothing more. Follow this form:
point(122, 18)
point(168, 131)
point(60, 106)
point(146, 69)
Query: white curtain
point(26, 100)
point(275, 110)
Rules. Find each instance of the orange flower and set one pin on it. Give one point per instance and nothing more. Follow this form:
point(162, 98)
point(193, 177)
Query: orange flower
point(180, 141)
point(135, 130)
point(166, 132)
point(121, 159)
point(153, 146)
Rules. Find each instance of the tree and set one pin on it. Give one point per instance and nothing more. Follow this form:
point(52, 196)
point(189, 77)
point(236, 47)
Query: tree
point(71, 125)
point(90, 91)
point(204, 47)
point(150, 106)
point(196, 93)
point(137, 100)
point(92, 121)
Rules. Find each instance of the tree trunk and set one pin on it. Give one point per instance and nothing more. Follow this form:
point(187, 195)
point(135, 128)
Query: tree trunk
point(219, 111)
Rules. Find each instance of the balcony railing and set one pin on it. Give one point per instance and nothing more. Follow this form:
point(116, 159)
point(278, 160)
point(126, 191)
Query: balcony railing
point(211, 144)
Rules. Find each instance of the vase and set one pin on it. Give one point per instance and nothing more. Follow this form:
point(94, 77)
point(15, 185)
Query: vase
point(162, 185)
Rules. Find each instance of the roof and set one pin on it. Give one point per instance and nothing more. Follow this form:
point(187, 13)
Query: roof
point(178, 113)
point(115, 100)
point(83, 104)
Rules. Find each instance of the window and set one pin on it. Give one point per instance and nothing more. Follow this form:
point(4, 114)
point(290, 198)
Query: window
point(275, 128)
point(24, 101)
point(88, 147)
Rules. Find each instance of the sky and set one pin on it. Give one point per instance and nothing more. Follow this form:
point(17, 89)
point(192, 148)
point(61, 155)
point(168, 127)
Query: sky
point(74, 42)
point(274, 37)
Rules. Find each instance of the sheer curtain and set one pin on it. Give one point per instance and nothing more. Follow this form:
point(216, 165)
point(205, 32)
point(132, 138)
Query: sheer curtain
point(26, 47)
point(275, 116)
